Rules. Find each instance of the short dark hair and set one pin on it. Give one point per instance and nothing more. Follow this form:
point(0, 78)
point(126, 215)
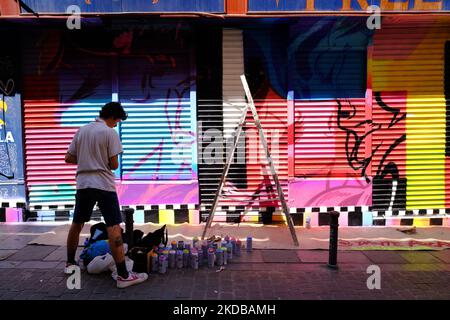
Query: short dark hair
point(113, 110)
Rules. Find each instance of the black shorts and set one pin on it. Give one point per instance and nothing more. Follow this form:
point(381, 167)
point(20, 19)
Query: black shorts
point(108, 203)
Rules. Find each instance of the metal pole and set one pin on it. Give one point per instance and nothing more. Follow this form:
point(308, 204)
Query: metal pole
point(129, 226)
point(334, 226)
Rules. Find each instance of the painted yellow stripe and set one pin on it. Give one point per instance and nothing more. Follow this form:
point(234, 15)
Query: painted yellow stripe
point(166, 216)
point(421, 222)
point(425, 167)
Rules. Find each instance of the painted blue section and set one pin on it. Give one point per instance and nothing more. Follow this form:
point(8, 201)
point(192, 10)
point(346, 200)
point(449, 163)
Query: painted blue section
point(115, 6)
point(316, 58)
point(13, 193)
point(327, 57)
point(266, 59)
point(324, 5)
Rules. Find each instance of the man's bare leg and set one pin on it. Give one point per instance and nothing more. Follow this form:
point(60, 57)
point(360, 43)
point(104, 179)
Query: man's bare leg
point(116, 245)
point(72, 241)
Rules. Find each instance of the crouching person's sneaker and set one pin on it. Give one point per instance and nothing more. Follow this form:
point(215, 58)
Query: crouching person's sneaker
point(133, 278)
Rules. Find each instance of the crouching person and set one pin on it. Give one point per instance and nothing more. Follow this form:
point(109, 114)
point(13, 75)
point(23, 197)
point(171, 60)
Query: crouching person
point(95, 149)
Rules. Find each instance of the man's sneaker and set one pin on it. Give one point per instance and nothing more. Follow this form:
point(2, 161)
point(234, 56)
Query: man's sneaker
point(133, 278)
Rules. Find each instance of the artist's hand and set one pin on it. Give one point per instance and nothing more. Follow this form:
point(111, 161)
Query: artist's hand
point(71, 159)
point(113, 162)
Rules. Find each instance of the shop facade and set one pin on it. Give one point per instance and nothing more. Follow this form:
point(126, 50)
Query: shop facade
point(356, 118)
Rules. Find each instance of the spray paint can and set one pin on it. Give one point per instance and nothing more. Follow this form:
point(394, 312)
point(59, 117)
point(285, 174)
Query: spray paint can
point(308, 221)
point(194, 241)
point(174, 245)
point(238, 247)
point(200, 258)
point(233, 243)
point(154, 258)
point(179, 259)
point(205, 248)
point(211, 258)
point(185, 258)
point(162, 264)
point(161, 248)
point(229, 251)
point(219, 256)
point(181, 245)
point(172, 259)
point(249, 244)
point(225, 255)
point(194, 259)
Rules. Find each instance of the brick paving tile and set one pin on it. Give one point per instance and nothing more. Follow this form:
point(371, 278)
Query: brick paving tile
point(405, 275)
point(5, 254)
point(419, 257)
point(443, 255)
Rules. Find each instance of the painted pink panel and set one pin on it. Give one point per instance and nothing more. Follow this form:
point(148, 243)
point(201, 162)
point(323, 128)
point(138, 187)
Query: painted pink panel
point(14, 215)
point(158, 193)
point(329, 193)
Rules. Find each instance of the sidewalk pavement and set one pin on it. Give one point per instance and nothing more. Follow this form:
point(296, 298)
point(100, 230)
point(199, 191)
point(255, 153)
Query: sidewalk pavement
point(36, 272)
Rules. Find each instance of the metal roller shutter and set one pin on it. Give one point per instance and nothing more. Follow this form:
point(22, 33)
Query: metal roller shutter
point(408, 67)
point(158, 136)
point(327, 58)
point(64, 88)
point(210, 112)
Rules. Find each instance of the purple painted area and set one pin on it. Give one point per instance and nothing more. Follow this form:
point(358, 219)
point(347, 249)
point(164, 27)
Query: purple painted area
point(158, 193)
point(329, 192)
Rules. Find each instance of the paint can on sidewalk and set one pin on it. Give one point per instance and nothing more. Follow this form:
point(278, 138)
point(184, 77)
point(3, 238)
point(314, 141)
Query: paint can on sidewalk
point(186, 258)
point(211, 258)
point(219, 256)
point(172, 259)
point(249, 244)
point(194, 259)
point(162, 264)
point(238, 247)
point(154, 257)
point(179, 259)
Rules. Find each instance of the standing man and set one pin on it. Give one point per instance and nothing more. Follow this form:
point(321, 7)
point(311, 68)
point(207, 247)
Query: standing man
point(95, 149)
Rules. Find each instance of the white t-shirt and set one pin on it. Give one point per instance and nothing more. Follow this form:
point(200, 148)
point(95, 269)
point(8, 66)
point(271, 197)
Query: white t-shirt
point(93, 145)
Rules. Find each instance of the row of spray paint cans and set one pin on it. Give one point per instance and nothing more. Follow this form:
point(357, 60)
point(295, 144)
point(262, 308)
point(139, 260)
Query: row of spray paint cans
point(208, 253)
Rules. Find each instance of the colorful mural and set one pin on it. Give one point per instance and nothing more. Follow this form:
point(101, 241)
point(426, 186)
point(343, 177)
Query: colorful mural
point(411, 72)
point(78, 74)
point(367, 117)
point(356, 120)
point(12, 190)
